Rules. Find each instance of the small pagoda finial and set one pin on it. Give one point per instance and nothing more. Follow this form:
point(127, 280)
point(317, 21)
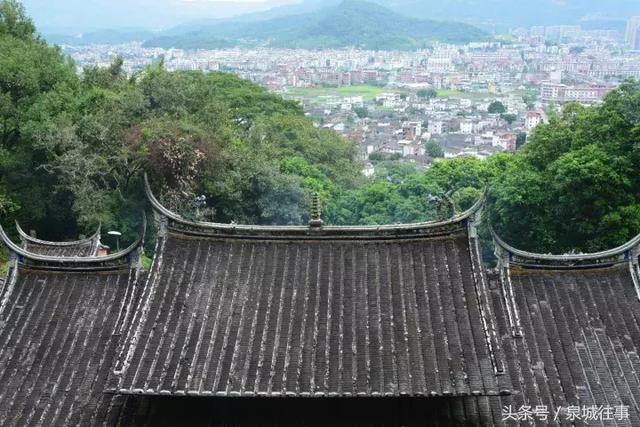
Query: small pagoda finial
point(316, 211)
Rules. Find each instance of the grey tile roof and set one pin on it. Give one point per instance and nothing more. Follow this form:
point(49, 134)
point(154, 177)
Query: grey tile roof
point(580, 338)
point(383, 326)
point(80, 248)
point(57, 343)
point(60, 326)
point(228, 317)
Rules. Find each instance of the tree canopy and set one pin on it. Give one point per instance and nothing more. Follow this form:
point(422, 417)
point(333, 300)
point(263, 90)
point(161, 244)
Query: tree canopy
point(434, 150)
point(427, 93)
point(74, 147)
point(575, 184)
point(496, 107)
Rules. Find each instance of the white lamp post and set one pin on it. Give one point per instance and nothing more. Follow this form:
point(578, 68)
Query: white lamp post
point(117, 235)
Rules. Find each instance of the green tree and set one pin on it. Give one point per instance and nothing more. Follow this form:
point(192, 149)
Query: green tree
point(361, 112)
point(433, 150)
point(521, 139)
point(37, 89)
point(574, 184)
point(15, 22)
point(465, 197)
point(376, 157)
point(530, 98)
point(427, 93)
point(496, 107)
point(509, 118)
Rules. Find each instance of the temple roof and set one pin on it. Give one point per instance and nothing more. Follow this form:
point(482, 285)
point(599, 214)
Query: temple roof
point(292, 311)
point(80, 248)
point(570, 328)
point(403, 313)
point(60, 321)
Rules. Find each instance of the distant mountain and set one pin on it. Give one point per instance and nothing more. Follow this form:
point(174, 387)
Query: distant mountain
point(101, 37)
point(75, 16)
point(352, 23)
point(504, 14)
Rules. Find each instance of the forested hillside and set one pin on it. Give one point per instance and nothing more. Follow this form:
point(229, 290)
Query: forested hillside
point(73, 150)
point(353, 23)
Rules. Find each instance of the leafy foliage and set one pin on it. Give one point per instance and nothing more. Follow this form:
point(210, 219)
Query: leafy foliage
point(509, 118)
point(361, 112)
point(496, 107)
point(74, 148)
point(433, 150)
point(575, 183)
point(427, 93)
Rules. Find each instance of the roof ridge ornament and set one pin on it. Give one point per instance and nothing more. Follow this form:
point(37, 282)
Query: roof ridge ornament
point(316, 211)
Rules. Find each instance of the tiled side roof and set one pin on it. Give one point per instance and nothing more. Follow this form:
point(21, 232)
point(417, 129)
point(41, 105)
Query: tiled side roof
point(57, 342)
point(231, 317)
point(580, 337)
point(60, 326)
point(80, 248)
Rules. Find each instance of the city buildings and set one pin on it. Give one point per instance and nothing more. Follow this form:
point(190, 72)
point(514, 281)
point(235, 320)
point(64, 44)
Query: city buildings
point(553, 92)
point(632, 35)
point(382, 99)
point(533, 119)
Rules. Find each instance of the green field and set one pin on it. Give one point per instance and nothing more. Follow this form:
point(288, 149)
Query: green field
point(367, 92)
point(448, 93)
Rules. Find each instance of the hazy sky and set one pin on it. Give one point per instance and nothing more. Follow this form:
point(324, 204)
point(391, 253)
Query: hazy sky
point(52, 15)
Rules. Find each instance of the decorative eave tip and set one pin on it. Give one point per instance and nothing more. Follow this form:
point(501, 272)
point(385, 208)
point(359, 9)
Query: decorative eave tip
point(611, 256)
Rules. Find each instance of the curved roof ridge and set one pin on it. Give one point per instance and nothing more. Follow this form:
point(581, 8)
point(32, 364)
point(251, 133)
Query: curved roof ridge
point(596, 257)
point(74, 260)
point(89, 240)
point(158, 207)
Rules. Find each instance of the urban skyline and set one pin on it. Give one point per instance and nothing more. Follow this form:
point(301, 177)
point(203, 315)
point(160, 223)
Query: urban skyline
point(374, 97)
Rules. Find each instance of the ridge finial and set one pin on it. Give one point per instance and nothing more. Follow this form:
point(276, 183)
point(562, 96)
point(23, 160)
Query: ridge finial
point(316, 211)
